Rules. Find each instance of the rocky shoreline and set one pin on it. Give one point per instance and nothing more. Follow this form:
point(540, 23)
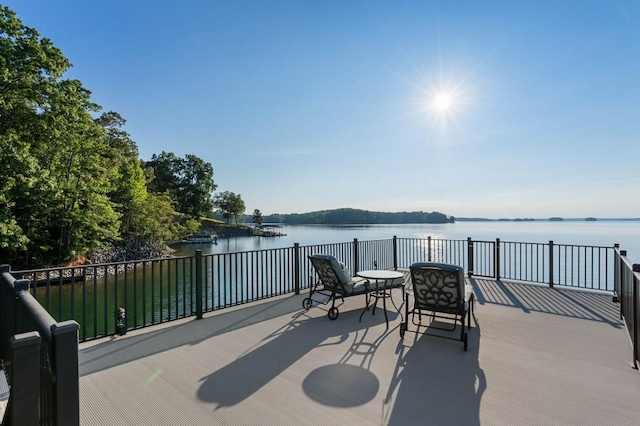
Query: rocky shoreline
point(129, 249)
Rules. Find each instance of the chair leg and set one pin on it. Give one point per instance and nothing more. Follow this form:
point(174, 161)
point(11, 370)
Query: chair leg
point(367, 298)
point(333, 311)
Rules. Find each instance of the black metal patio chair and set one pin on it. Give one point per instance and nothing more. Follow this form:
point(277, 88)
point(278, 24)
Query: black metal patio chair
point(439, 291)
point(335, 282)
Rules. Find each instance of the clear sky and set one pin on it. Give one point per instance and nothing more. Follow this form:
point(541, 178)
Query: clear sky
point(471, 108)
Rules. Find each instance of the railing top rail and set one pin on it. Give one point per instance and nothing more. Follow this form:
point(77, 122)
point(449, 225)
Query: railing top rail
point(628, 263)
point(327, 244)
point(44, 321)
point(8, 278)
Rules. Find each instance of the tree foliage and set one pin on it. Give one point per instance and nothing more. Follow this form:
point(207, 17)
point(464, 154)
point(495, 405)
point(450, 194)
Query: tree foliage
point(70, 181)
point(54, 192)
point(188, 180)
point(257, 217)
point(230, 205)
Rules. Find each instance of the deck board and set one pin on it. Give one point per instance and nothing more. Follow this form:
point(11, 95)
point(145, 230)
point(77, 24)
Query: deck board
point(536, 356)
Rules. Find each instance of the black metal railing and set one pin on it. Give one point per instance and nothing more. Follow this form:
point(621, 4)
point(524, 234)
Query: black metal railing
point(236, 278)
point(160, 290)
point(627, 293)
point(151, 292)
point(41, 358)
point(109, 299)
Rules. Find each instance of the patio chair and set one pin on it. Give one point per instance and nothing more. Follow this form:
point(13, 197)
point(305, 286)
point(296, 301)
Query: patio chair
point(335, 282)
point(439, 291)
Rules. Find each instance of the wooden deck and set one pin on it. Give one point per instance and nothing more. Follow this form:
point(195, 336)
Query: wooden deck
point(536, 356)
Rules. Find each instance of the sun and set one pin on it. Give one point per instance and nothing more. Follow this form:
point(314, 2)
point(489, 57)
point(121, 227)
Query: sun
point(442, 102)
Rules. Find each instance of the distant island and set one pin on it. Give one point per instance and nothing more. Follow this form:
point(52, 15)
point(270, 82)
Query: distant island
point(348, 216)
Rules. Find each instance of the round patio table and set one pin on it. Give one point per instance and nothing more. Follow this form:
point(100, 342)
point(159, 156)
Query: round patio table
point(383, 292)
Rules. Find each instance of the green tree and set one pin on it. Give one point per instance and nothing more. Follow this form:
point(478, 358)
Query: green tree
point(55, 202)
point(162, 223)
point(229, 204)
point(78, 159)
point(164, 177)
point(129, 190)
point(257, 217)
point(196, 186)
point(21, 182)
point(188, 180)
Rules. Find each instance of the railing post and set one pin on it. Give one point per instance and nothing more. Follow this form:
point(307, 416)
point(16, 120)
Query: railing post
point(198, 284)
point(550, 264)
point(496, 259)
point(636, 337)
point(355, 256)
point(623, 291)
point(470, 256)
point(64, 360)
point(428, 248)
point(296, 268)
point(395, 253)
point(24, 399)
point(616, 274)
point(21, 285)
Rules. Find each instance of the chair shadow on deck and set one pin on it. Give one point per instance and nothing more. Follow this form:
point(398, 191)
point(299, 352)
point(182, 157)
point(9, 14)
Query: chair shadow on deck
point(148, 341)
point(330, 385)
point(436, 382)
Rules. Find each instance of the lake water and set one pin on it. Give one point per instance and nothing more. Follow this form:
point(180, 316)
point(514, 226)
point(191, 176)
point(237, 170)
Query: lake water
point(598, 233)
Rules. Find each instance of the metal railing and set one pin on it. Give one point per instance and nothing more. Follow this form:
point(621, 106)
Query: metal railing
point(160, 290)
point(41, 358)
point(627, 293)
point(109, 299)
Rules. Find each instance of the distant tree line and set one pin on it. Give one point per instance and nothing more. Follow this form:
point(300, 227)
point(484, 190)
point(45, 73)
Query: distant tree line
point(355, 216)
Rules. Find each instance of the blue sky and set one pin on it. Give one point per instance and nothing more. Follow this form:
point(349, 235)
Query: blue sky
point(311, 105)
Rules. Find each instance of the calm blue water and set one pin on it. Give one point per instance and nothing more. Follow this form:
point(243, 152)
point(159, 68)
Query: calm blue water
point(600, 233)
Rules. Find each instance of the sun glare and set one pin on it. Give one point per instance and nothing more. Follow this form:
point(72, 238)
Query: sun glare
point(442, 102)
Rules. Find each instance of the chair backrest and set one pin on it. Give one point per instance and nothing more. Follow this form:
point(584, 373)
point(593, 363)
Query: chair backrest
point(330, 272)
point(438, 287)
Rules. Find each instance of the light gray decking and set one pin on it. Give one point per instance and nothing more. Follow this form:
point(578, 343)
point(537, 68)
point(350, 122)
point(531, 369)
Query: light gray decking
point(536, 356)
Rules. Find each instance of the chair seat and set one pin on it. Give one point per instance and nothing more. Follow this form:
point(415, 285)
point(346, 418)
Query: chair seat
point(356, 286)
